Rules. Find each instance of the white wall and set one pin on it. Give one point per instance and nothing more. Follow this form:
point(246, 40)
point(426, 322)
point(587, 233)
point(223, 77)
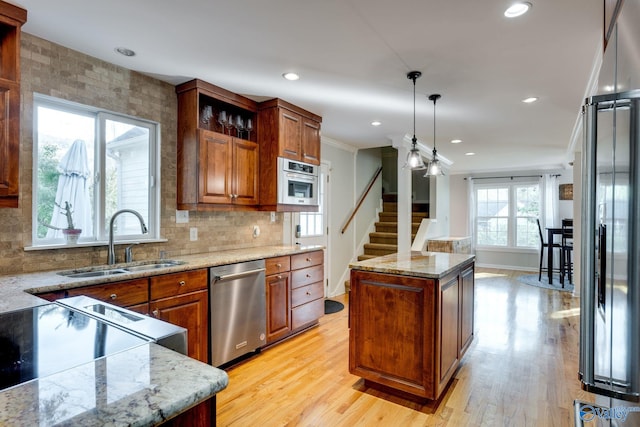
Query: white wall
point(367, 163)
point(340, 253)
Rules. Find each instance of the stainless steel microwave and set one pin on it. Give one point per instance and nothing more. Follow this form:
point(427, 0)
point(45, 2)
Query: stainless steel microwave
point(297, 183)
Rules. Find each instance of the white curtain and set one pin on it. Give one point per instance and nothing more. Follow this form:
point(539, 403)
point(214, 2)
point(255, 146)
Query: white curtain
point(551, 215)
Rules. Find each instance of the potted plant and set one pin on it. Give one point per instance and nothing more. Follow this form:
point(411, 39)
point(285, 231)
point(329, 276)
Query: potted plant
point(71, 233)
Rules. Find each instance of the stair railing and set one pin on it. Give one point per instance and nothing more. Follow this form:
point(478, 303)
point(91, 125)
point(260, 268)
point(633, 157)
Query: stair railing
point(362, 197)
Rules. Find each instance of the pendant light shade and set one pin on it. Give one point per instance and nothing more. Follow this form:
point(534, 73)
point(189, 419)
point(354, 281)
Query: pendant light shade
point(434, 167)
point(414, 159)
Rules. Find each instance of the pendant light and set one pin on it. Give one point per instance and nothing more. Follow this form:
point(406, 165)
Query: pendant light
point(434, 168)
point(414, 159)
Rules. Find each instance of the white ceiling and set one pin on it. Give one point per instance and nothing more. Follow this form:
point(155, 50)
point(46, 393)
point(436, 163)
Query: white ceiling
point(353, 57)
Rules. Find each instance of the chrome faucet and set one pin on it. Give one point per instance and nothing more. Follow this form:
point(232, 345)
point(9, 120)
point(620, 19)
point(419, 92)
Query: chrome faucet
point(111, 254)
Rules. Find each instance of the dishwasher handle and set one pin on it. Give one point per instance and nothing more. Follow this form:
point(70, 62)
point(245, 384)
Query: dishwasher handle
point(217, 278)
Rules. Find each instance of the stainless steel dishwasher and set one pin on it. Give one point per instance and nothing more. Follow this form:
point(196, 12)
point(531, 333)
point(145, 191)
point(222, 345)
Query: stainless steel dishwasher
point(238, 310)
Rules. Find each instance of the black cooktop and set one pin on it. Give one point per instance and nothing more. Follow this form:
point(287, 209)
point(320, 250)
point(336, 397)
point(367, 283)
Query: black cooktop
point(46, 339)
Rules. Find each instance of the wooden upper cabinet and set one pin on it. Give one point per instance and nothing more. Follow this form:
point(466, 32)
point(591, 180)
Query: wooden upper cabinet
point(289, 131)
point(11, 20)
point(217, 165)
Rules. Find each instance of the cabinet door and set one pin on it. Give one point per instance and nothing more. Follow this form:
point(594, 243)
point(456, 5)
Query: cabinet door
point(123, 294)
point(214, 167)
point(290, 135)
point(448, 329)
point(310, 141)
point(278, 307)
point(466, 309)
point(245, 172)
point(9, 143)
point(190, 312)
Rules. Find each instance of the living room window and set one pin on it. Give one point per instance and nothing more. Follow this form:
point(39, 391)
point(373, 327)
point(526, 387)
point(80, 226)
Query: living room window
point(88, 164)
point(506, 215)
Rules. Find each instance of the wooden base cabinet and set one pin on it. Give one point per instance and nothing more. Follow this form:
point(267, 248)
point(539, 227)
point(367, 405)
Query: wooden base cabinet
point(409, 333)
point(295, 293)
point(183, 299)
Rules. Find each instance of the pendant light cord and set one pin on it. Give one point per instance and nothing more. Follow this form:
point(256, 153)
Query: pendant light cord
point(414, 75)
point(434, 98)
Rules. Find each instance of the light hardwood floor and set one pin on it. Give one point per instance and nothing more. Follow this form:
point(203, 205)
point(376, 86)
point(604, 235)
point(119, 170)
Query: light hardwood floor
point(521, 370)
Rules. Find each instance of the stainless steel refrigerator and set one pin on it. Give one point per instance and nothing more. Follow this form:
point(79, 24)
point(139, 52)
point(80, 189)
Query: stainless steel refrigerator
point(610, 268)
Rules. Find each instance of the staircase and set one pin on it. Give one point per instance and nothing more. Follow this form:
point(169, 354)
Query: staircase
point(384, 240)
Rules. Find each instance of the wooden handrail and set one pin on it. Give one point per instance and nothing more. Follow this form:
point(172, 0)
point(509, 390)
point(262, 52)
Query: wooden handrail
point(364, 195)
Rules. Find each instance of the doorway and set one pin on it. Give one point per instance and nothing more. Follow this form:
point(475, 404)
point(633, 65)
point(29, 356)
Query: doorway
point(312, 228)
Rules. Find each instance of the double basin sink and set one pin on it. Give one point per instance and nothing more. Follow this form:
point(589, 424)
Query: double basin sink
point(101, 271)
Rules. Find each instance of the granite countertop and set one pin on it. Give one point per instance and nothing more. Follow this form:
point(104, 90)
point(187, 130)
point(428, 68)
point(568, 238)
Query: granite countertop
point(17, 289)
point(433, 265)
point(142, 386)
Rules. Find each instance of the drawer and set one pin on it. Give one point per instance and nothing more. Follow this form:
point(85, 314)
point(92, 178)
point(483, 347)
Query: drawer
point(307, 313)
point(306, 294)
point(306, 276)
point(123, 294)
point(307, 259)
point(169, 285)
point(277, 265)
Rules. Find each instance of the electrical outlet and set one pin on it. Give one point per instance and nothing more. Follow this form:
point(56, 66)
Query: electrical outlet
point(256, 231)
point(193, 234)
point(182, 217)
point(273, 217)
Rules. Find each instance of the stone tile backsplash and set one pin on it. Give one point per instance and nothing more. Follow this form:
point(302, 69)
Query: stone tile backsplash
point(50, 69)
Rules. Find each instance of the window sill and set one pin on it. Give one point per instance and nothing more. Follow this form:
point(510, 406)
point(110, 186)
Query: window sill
point(91, 244)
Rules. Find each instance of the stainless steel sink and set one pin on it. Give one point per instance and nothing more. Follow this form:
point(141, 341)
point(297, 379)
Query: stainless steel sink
point(101, 271)
point(154, 265)
point(94, 273)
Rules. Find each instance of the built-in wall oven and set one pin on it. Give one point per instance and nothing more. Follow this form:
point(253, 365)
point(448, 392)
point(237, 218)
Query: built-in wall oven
point(297, 183)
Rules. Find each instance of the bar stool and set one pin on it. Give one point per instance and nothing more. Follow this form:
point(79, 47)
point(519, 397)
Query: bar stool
point(566, 263)
point(547, 245)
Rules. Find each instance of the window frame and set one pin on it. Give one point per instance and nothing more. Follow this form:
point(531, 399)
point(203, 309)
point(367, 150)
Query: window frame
point(100, 116)
point(512, 217)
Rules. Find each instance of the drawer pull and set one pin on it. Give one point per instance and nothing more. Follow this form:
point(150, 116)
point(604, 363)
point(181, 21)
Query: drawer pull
point(278, 265)
point(156, 312)
point(308, 293)
point(308, 275)
point(113, 296)
point(308, 259)
point(181, 283)
point(279, 277)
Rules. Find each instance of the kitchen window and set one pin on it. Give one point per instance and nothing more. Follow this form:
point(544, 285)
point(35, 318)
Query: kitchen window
point(506, 215)
point(88, 164)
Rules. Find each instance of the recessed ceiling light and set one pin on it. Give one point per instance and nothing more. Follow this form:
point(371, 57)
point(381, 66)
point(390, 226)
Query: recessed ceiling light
point(530, 100)
point(517, 9)
point(376, 123)
point(124, 51)
point(470, 154)
point(291, 76)
point(456, 141)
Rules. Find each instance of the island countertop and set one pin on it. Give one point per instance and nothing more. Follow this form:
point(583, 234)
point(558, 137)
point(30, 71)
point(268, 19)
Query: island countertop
point(143, 386)
point(434, 265)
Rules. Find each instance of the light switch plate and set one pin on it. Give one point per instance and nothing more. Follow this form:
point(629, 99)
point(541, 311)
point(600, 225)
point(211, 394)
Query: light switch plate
point(182, 217)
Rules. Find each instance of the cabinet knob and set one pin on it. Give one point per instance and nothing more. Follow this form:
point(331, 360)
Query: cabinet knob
point(308, 293)
point(113, 296)
point(279, 277)
point(308, 259)
point(278, 265)
point(181, 283)
point(156, 312)
point(308, 275)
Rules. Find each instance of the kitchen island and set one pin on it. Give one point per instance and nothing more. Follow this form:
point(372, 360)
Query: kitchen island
point(411, 320)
